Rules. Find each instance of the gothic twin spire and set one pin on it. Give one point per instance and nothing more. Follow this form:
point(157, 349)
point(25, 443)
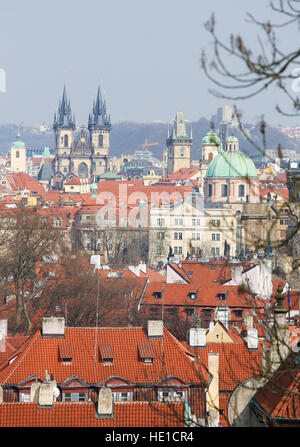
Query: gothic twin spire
point(98, 118)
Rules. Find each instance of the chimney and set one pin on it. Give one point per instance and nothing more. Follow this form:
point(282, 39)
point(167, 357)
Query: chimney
point(236, 274)
point(155, 329)
point(96, 261)
point(3, 335)
point(197, 337)
point(53, 327)
point(248, 320)
point(252, 339)
point(105, 404)
point(34, 392)
point(212, 394)
point(46, 395)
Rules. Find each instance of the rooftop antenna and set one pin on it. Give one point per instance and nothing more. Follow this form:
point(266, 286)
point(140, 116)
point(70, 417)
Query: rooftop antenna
point(96, 319)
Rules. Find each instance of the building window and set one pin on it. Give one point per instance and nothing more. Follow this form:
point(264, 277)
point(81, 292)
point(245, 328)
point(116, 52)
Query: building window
point(215, 222)
point(17, 154)
point(241, 190)
point(100, 140)
point(178, 221)
point(160, 235)
point(224, 190)
point(66, 140)
point(178, 236)
point(196, 222)
point(74, 397)
point(215, 236)
point(24, 397)
point(160, 222)
point(215, 251)
point(209, 190)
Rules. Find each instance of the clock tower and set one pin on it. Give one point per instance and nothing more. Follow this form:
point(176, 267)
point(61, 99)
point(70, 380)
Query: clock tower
point(178, 146)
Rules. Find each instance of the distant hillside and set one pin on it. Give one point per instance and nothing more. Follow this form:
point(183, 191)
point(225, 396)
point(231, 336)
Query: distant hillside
point(128, 136)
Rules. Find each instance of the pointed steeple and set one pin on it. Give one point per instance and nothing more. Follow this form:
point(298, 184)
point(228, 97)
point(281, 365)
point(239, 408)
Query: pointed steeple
point(64, 116)
point(179, 130)
point(99, 117)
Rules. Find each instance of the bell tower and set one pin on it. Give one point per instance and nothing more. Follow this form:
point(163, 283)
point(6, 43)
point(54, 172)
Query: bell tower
point(99, 126)
point(64, 127)
point(179, 146)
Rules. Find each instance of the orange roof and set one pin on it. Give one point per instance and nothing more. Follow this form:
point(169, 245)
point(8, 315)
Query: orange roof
point(206, 273)
point(183, 174)
point(43, 353)
point(83, 414)
point(206, 295)
point(279, 397)
point(236, 362)
point(76, 181)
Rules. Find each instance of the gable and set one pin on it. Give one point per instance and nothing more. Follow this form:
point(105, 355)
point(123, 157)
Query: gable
point(218, 335)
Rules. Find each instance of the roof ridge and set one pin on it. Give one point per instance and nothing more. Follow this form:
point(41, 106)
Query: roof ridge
point(30, 343)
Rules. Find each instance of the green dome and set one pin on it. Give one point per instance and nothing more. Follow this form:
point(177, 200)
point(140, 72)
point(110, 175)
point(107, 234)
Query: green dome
point(211, 138)
point(18, 144)
point(231, 164)
point(94, 187)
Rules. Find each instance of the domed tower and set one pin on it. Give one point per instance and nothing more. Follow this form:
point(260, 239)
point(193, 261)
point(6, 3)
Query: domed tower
point(99, 126)
point(210, 147)
point(231, 176)
point(178, 146)
point(18, 155)
point(64, 127)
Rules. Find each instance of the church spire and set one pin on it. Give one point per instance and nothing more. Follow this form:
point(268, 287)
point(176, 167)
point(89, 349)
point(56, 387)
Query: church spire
point(64, 116)
point(99, 118)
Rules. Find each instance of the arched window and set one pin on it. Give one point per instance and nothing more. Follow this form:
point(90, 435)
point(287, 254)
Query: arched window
point(209, 190)
point(17, 154)
point(210, 156)
point(100, 140)
point(241, 190)
point(66, 140)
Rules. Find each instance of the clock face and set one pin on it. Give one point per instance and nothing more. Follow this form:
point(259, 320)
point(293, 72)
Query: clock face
point(82, 139)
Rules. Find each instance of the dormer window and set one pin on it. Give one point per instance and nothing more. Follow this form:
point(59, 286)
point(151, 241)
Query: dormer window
point(106, 353)
point(157, 294)
point(222, 296)
point(65, 353)
point(146, 352)
point(193, 295)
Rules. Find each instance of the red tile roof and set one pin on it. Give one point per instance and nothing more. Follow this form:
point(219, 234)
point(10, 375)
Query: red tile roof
point(279, 397)
point(206, 295)
point(83, 414)
point(42, 353)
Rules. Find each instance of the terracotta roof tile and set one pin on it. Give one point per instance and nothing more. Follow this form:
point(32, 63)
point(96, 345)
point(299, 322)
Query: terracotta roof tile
point(83, 414)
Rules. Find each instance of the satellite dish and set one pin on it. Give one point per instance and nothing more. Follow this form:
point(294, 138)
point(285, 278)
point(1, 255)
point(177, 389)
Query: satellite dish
point(56, 392)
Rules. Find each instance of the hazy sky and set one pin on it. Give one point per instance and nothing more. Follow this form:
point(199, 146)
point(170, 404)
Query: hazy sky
point(144, 53)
